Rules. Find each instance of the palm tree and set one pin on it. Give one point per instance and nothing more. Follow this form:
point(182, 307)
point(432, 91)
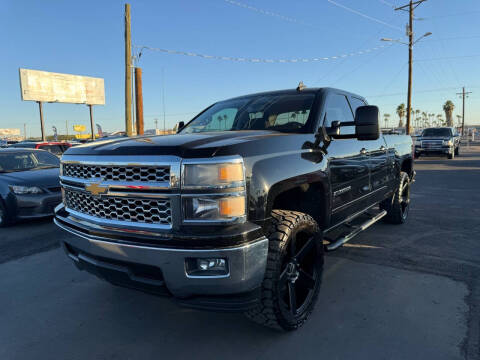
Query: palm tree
point(448, 108)
point(425, 119)
point(440, 121)
point(386, 116)
point(401, 113)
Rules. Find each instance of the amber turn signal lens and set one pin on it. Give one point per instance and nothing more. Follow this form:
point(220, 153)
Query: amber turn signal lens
point(230, 172)
point(232, 206)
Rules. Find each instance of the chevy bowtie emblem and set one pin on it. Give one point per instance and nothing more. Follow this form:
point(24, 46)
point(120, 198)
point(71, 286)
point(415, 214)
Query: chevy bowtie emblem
point(96, 188)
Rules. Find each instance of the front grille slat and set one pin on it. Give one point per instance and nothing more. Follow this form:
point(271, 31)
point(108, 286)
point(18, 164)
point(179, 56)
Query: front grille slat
point(147, 211)
point(118, 173)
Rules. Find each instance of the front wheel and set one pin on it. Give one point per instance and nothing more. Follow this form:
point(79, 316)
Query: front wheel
point(294, 272)
point(398, 206)
point(457, 150)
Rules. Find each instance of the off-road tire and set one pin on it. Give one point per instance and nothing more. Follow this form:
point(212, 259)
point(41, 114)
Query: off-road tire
point(397, 209)
point(4, 221)
point(271, 311)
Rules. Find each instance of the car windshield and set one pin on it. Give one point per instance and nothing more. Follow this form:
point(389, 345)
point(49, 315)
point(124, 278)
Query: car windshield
point(27, 160)
point(441, 132)
point(282, 112)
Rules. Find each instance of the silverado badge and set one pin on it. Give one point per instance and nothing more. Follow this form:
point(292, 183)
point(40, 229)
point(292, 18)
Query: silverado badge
point(96, 188)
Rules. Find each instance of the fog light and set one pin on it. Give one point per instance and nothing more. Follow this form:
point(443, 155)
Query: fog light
point(211, 264)
point(206, 267)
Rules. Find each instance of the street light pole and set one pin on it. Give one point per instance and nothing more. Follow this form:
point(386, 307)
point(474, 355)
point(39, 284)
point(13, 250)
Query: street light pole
point(410, 67)
point(410, 6)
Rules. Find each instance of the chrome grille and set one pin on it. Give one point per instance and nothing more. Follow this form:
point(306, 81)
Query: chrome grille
point(118, 173)
point(432, 143)
point(148, 211)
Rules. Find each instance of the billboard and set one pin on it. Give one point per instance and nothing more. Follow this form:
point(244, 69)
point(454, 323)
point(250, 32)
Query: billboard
point(79, 128)
point(46, 86)
point(9, 132)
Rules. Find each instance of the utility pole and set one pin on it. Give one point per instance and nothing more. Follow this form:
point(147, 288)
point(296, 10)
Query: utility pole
point(463, 94)
point(163, 100)
point(66, 127)
point(128, 72)
point(411, 7)
point(25, 131)
point(156, 126)
point(42, 124)
point(139, 100)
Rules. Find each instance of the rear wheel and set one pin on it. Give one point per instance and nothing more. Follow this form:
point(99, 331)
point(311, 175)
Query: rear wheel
point(294, 272)
point(398, 205)
point(3, 215)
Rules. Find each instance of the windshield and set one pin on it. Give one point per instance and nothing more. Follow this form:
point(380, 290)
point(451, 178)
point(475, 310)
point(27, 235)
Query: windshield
point(287, 113)
point(25, 160)
point(441, 132)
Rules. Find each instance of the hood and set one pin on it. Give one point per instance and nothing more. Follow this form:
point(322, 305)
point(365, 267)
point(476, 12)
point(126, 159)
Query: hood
point(182, 145)
point(44, 178)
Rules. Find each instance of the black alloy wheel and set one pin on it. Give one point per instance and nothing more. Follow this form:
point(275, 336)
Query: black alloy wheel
point(294, 271)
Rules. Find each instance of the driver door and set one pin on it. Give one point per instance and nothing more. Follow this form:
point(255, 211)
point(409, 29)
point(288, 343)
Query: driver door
point(348, 163)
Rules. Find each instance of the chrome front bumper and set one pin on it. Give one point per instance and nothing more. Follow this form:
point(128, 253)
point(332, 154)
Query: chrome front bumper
point(247, 263)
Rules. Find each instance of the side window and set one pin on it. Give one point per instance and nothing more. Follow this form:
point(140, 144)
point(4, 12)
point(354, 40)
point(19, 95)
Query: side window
point(338, 109)
point(54, 149)
point(356, 103)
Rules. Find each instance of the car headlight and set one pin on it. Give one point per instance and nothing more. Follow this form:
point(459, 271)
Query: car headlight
point(447, 142)
point(213, 175)
point(217, 208)
point(22, 190)
point(214, 207)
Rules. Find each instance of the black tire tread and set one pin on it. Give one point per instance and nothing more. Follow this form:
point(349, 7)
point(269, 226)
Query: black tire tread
point(266, 313)
point(393, 205)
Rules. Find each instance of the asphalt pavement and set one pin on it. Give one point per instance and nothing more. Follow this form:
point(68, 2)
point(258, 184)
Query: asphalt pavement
point(394, 292)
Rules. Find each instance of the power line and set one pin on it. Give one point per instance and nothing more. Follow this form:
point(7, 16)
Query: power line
point(417, 92)
point(267, 12)
point(448, 58)
point(387, 3)
point(260, 60)
point(364, 15)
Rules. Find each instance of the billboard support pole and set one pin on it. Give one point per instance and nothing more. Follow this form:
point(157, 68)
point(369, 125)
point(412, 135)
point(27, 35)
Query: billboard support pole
point(42, 125)
point(91, 121)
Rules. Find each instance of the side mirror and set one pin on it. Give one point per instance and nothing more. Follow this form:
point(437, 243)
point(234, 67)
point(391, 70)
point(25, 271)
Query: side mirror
point(366, 123)
point(180, 126)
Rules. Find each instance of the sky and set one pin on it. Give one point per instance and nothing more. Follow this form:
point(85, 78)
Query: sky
point(87, 38)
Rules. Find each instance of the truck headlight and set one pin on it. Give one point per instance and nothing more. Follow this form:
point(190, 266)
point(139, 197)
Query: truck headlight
point(447, 142)
point(23, 190)
point(214, 208)
point(219, 175)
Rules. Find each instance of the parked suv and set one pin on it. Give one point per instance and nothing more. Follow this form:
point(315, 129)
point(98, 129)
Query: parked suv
point(444, 141)
point(236, 211)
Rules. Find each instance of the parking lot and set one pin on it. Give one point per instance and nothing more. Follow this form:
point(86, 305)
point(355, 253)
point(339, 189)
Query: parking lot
point(393, 292)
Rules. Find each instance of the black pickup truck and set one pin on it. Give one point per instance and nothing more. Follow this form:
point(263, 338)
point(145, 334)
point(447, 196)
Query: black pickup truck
point(438, 141)
point(236, 211)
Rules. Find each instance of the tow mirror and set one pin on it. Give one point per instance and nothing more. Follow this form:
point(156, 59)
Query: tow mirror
point(366, 123)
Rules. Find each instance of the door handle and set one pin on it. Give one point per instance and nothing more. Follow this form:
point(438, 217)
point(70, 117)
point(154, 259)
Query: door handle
point(363, 151)
point(383, 148)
